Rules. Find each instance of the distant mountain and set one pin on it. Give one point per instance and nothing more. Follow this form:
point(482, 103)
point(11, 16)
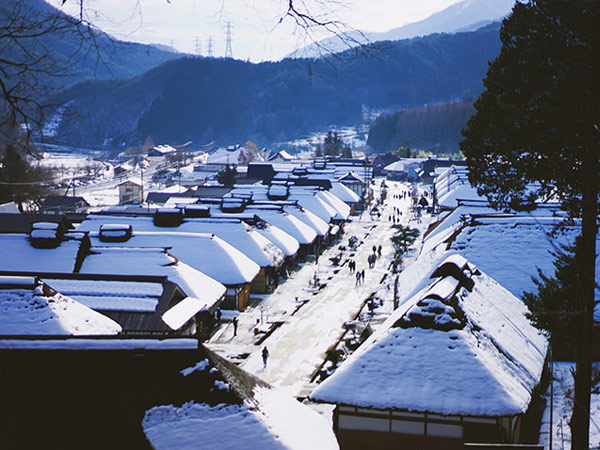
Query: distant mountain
point(225, 100)
point(467, 15)
point(100, 57)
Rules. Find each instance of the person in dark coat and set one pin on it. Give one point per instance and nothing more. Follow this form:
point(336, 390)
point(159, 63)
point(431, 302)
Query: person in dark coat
point(235, 324)
point(265, 356)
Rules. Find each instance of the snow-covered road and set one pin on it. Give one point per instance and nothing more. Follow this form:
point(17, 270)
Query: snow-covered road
point(298, 346)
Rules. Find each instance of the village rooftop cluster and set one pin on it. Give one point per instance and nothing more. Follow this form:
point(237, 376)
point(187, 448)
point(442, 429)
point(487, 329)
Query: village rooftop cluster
point(145, 323)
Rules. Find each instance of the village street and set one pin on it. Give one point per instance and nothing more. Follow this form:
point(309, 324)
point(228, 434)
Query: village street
point(311, 319)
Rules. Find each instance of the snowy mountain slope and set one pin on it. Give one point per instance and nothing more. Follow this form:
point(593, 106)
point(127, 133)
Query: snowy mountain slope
point(467, 15)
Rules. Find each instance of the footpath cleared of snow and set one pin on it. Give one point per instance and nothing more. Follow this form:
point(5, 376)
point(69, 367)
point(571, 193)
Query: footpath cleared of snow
point(311, 318)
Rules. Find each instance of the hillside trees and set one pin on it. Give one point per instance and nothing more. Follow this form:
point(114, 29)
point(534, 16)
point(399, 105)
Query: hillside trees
point(333, 145)
point(21, 181)
point(29, 70)
point(225, 100)
point(535, 135)
point(433, 127)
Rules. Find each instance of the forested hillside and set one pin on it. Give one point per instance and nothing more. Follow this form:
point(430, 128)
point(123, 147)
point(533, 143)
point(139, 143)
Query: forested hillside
point(434, 128)
point(62, 51)
point(226, 100)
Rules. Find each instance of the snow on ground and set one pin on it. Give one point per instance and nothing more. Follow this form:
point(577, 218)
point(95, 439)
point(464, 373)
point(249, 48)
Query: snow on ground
point(563, 408)
point(71, 163)
point(312, 317)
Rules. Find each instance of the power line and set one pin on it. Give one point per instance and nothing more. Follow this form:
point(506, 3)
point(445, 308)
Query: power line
point(28, 183)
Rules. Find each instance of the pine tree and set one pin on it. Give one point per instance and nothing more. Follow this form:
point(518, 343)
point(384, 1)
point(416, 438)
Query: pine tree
point(227, 176)
point(556, 307)
point(535, 135)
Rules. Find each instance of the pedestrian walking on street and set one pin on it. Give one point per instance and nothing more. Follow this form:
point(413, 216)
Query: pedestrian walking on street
point(235, 324)
point(219, 314)
point(265, 356)
point(379, 250)
point(357, 278)
point(362, 276)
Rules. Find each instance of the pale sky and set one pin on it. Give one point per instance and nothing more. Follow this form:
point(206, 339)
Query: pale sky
point(256, 34)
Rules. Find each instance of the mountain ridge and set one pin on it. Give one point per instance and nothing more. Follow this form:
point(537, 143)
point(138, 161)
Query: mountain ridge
point(467, 15)
point(99, 56)
point(226, 100)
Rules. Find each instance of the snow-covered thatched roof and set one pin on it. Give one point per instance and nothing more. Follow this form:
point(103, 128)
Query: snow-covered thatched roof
point(460, 346)
point(30, 307)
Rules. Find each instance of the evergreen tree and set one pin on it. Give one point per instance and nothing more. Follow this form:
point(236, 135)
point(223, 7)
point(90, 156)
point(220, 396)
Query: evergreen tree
point(227, 176)
point(556, 307)
point(332, 144)
point(535, 135)
point(20, 181)
point(346, 152)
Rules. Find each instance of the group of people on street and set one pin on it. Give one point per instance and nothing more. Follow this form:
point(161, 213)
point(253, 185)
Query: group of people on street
point(352, 266)
point(372, 258)
point(360, 277)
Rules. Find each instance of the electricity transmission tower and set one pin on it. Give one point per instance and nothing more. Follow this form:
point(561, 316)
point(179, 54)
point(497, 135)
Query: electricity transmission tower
point(198, 47)
point(228, 51)
point(209, 49)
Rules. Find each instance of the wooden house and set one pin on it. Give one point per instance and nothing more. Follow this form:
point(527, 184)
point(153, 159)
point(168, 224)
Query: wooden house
point(355, 183)
point(130, 193)
point(56, 204)
point(203, 252)
point(457, 363)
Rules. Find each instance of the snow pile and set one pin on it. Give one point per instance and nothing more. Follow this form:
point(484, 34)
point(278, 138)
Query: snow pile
point(453, 348)
point(38, 310)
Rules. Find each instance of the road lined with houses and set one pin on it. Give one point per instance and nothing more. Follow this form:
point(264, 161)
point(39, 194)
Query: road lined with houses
point(310, 318)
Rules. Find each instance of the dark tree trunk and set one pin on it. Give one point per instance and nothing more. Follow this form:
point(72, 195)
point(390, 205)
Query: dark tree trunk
point(580, 420)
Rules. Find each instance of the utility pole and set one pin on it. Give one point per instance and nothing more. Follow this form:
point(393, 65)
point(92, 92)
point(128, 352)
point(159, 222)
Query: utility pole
point(228, 51)
point(209, 45)
point(142, 187)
